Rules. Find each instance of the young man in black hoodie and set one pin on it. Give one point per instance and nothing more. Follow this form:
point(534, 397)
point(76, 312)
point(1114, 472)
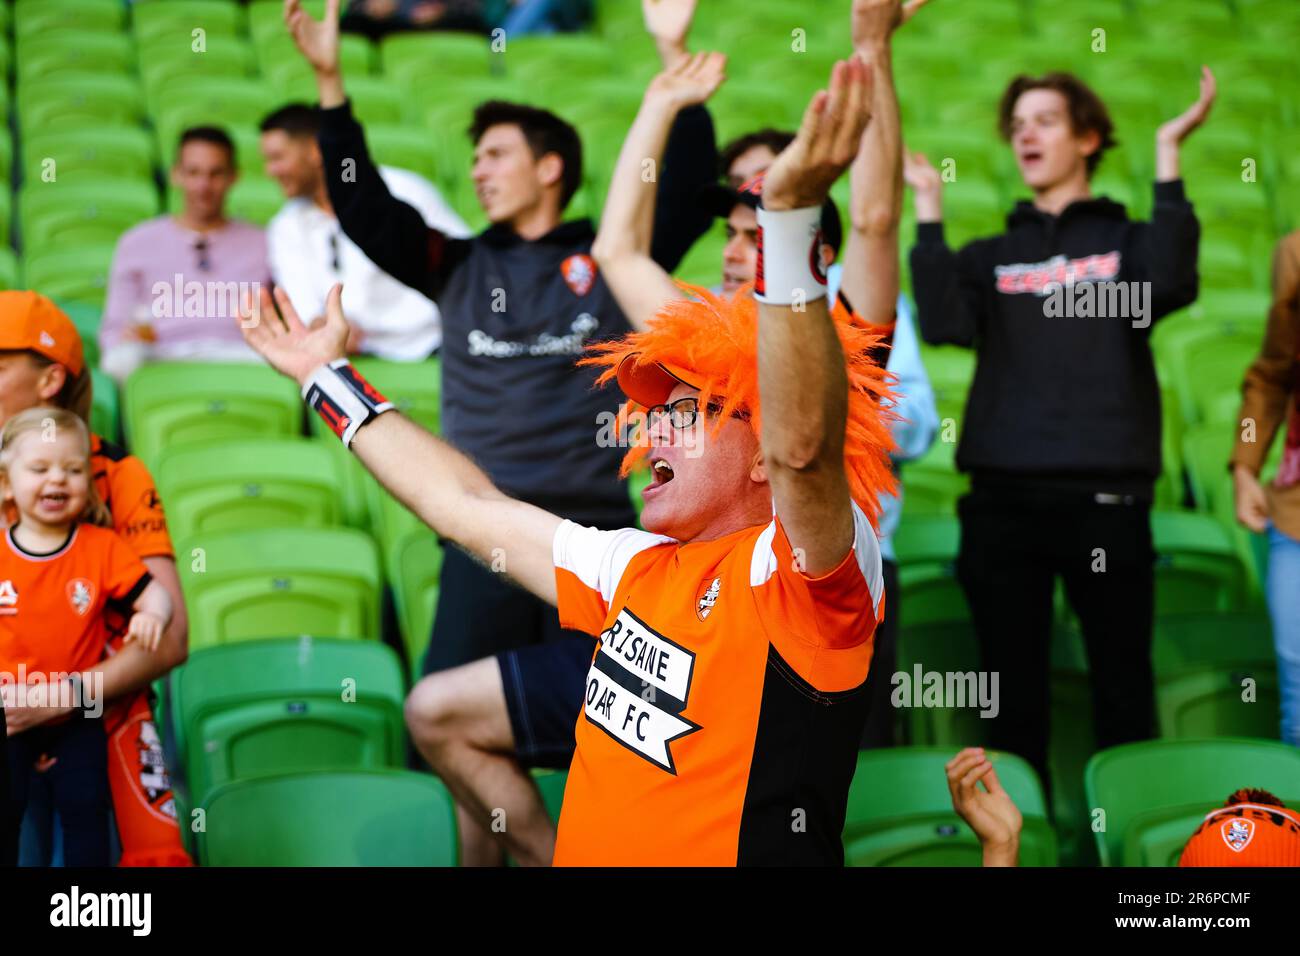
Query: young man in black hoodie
point(1062, 430)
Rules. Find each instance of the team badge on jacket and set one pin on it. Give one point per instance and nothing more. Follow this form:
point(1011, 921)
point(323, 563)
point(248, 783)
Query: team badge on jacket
point(709, 598)
point(579, 272)
point(1238, 833)
point(81, 593)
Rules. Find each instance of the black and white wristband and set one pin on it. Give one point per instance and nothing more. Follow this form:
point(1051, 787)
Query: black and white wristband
point(344, 400)
point(790, 269)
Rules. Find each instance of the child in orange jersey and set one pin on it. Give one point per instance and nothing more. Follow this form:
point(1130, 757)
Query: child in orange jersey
point(59, 569)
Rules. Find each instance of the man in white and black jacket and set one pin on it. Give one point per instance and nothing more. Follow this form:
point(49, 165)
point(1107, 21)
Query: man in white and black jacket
point(1062, 424)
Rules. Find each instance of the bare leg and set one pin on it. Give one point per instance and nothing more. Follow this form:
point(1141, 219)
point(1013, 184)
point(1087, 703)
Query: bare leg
point(459, 722)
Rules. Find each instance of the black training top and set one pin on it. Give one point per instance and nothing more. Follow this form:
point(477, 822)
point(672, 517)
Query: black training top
point(1063, 393)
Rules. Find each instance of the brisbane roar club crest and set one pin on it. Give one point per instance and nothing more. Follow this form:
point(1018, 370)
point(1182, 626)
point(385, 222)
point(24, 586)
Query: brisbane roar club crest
point(579, 273)
point(1237, 833)
point(709, 597)
point(81, 594)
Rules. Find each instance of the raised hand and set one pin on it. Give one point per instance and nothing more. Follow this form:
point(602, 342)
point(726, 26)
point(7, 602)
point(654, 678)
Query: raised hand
point(1180, 127)
point(872, 21)
point(828, 140)
point(990, 812)
point(926, 183)
point(669, 22)
point(317, 40)
point(692, 80)
point(290, 347)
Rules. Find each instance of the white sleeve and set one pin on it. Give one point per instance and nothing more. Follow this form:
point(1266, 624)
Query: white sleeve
point(866, 551)
point(416, 191)
point(289, 260)
point(599, 558)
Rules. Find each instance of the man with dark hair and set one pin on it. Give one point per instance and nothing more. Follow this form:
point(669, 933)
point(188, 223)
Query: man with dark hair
point(746, 156)
point(309, 250)
point(1062, 424)
point(156, 260)
point(519, 302)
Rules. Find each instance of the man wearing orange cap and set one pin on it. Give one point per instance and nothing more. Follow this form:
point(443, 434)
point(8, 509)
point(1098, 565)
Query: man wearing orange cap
point(1252, 828)
point(723, 704)
point(41, 363)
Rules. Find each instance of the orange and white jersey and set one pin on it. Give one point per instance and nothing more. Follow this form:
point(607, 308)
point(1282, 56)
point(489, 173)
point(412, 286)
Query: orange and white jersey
point(725, 701)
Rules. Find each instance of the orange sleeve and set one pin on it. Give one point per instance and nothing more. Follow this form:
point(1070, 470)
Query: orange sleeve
point(137, 512)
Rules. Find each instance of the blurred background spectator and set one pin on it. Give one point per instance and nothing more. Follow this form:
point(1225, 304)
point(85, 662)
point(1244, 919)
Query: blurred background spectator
point(159, 304)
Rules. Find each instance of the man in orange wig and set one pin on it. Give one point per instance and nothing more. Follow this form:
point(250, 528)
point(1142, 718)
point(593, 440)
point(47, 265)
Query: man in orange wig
point(722, 710)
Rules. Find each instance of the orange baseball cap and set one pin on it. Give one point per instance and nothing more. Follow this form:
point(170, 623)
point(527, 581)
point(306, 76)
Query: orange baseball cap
point(31, 322)
point(650, 383)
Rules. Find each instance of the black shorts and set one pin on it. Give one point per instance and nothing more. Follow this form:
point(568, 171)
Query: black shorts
point(543, 687)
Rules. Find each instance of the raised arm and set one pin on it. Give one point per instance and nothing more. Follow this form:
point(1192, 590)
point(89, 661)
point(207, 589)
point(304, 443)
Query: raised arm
point(391, 233)
point(622, 246)
point(951, 288)
point(441, 486)
point(801, 375)
point(1170, 135)
point(871, 268)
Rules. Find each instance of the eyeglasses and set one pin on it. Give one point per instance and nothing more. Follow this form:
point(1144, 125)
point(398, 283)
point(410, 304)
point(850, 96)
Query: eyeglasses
point(334, 252)
point(201, 247)
point(684, 412)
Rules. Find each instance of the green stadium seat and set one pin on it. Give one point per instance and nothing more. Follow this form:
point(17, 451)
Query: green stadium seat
point(413, 574)
point(413, 60)
point(242, 585)
point(1143, 777)
point(72, 50)
point(284, 706)
point(1157, 837)
point(75, 99)
point(105, 419)
point(90, 152)
point(945, 647)
point(177, 19)
point(168, 404)
point(404, 147)
point(927, 492)
point(926, 547)
point(414, 387)
point(900, 812)
point(357, 818)
point(252, 483)
point(219, 101)
point(1197, 568)
point(82, 210)
point(376, 101)
point(1220, 701)
point(78, 274)
point(33, 18)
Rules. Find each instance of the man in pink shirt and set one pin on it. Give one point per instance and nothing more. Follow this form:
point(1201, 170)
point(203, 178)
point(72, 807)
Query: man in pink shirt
point(177, 280)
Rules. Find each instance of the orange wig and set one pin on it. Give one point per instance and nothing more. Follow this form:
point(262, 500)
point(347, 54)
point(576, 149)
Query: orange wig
point(711, 342)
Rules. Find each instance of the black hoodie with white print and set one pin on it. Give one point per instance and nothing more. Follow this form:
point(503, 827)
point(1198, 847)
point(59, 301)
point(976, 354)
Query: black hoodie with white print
point(1059, 310)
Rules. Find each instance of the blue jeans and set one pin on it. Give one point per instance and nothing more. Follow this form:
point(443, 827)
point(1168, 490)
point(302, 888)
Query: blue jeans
point(1284, 607)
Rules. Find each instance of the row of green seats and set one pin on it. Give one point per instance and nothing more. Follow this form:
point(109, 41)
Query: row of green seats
point(1153, 794)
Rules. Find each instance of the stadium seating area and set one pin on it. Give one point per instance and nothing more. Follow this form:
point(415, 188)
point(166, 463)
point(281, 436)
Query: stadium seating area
point(280, 534)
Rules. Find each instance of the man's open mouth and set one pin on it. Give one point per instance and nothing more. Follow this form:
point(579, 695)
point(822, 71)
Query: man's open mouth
point(661, 471)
